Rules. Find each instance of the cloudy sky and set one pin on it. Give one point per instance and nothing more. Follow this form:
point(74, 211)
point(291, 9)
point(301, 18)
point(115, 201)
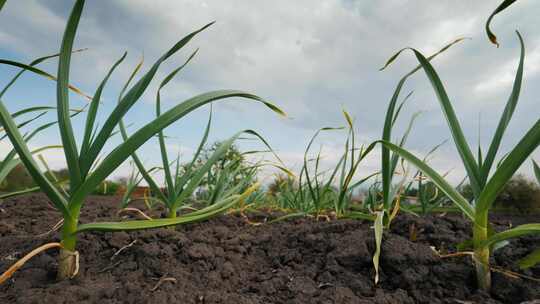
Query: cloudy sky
point(311, 58)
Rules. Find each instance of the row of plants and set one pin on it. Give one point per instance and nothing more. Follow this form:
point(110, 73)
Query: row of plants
point(217, 180)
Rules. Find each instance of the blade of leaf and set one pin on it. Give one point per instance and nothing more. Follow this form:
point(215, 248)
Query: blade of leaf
point(509, 166)
point(517, 231)
point(530, 260)
point(188, 218)
point(123, 151)
point(161, 137)
point(453, 123)
point(378, 229)
point(129, 99)
point(505, 117)
point(26, 157)
point(390, 118)
point(94, 105)
point(438, 180)
point(62, 95)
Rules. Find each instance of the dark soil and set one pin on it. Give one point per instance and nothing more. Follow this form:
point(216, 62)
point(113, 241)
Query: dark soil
point(227, 260)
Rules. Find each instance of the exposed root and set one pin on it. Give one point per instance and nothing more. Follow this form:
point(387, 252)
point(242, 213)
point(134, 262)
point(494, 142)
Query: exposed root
point(53, 229)
point(246, 218)
point(325, 285)
point(455, 254)
point(11, 270)
point(131, 209)
point(508, 273)
point(122, 249)
point(163, 280)
point(110, 267)
point(323, 216)
point(513, 274)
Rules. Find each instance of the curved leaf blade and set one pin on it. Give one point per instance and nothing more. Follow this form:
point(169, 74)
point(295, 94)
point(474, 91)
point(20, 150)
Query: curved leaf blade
point(505, 4)
point(123, 151)
point(62, 95)
point(437, 179)
point(196, 216)
point(517, 231)
point(511, 163)
point(505, 117)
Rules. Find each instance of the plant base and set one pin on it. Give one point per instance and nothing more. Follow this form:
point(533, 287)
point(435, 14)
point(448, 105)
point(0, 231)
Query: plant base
point(68, 264)
point(483, 272)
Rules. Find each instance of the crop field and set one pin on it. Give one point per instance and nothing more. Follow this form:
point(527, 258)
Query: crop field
point(377, 222)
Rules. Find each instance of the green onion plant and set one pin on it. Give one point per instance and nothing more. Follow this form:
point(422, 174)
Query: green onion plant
point(85, 172)
point(485, 184)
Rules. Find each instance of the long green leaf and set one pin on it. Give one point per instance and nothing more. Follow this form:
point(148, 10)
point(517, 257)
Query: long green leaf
point(123, 151)
point(154, 187)
point(512, 233)
point(400, 106)
point(144, 173)
point(161, 138)
point(181, 181)
point(455, 128)
point(31, 109)
point(200, 215)
point(530, 260)
point(62, 95)
point(26, 157)
point(19, 192)
point(360, 216)
point(509, 166)
point(438, 180)
point(197, 177)
point(505, 117)
point(9, 163)
point(94, 106)
point(155, 223)
point(309, 183)
point(391, 116)
point(24, 123)
point(395, 158)
point(39, 72)
point(128, 100)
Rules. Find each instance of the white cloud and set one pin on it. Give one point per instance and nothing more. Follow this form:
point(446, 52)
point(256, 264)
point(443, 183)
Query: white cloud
point(311, 57)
